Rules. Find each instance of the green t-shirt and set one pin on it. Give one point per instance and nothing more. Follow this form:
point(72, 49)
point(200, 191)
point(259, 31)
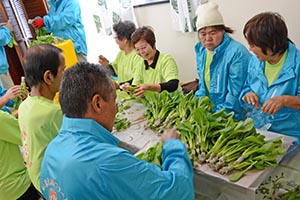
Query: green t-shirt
point(209, 57)
point(272, 71)
point(125, 65)
point(14, 179)
point(164, 71)
point(40, 120)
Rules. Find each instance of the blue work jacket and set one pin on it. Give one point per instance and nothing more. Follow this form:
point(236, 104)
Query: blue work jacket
point(5, 38)
point(286, 120)
point(84, 162)
point(64, 20)
point(10, 103)
point(227, 74)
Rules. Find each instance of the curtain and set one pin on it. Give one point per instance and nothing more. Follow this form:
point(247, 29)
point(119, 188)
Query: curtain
point(183, 14)
point(110, 12)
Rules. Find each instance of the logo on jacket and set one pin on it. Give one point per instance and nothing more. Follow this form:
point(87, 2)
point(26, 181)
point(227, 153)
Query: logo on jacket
point(53, 195)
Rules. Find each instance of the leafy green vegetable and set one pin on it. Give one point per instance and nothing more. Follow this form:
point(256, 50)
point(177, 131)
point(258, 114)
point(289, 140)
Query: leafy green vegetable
point(211, 137)
point(12, 42)
point(43, 38)
point(121, 123)
point(153, 154)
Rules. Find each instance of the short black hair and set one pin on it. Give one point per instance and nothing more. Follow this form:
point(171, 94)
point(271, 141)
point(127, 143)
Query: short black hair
point(267, 30)
point(37, 60)
point(79, 84)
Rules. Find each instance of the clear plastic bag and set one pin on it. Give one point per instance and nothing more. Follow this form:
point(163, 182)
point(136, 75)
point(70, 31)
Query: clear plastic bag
point(262, 120)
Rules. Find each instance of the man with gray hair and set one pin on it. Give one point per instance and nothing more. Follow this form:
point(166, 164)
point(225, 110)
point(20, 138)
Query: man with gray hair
point(90, 165)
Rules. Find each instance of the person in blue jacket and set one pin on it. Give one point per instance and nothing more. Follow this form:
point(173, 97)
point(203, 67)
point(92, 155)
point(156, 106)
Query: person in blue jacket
point(5, 39)
point(273, 82)
point(90, 164)
point(8, 96)
point(64, 20)
point(221, 61)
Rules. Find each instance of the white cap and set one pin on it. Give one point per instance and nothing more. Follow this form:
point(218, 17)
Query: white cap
point(208, 15)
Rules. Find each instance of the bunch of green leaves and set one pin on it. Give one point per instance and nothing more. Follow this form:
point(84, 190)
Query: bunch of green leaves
point(121, 122)
point(12, 42)
point(293, 194)
point(153, 154)
point(42, 37)
point(227, 145)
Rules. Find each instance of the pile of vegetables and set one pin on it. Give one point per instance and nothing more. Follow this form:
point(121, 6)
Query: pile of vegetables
point(228, 146)
point(42, 37)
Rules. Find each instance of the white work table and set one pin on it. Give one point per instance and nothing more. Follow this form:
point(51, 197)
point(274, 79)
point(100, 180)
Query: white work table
point(207, 182)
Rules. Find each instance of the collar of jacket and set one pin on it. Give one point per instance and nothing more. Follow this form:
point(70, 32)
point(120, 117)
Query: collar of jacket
point(88, 126)
point(221, 48)
point(154, 61)
point(287, 71)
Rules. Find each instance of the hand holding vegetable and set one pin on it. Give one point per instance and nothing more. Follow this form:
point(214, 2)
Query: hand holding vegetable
point(38, 22)
point(125, 86)
point(13, 93)
point(169, 134)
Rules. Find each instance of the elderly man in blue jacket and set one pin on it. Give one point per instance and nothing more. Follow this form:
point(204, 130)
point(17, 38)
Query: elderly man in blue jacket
point(64, 20)
point(85, 161)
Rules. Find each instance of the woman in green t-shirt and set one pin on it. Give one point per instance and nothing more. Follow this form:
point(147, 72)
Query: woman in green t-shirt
point(158, 71)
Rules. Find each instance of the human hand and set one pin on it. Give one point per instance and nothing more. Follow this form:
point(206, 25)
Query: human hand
point(273, 105)
point(38, 22)
point(124, 87)
point(13, 92)
point(251, 98)
point(139, 91)
point(103, 61)
point(170, 134)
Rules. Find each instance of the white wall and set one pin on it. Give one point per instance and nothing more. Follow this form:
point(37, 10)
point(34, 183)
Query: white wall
point(237, 12)
point(181, 45)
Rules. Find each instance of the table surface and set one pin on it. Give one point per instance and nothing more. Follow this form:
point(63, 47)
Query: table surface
point(207, 181)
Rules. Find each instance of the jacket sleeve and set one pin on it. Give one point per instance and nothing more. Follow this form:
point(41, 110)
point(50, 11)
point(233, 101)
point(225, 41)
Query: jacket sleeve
point(60, 20)
point(10, 103)
point(246, 88)
point(200, 59)
point(148, 181)
point(5, 36)
point(237, 76)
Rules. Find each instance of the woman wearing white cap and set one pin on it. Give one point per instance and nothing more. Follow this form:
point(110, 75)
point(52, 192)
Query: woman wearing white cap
point(221, 61)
